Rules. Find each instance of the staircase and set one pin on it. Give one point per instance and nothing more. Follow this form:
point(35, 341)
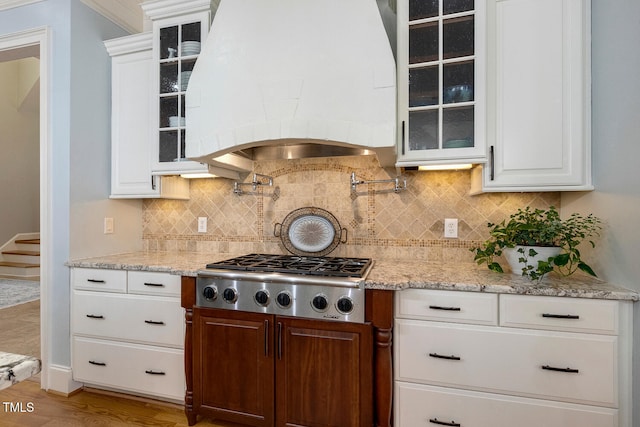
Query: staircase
point(20, 257)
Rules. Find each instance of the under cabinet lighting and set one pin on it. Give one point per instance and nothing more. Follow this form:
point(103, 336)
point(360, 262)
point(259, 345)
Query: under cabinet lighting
point(445, 167)
point(198, 175)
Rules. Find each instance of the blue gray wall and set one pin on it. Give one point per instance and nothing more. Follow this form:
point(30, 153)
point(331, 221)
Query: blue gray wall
point(616, 152)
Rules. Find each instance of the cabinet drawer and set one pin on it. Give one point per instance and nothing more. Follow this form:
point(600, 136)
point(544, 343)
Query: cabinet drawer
point(561, 314)
point(523, 362)
point(137, 368)
point(448, 306)
point(152, 283)
point(147, 319)
point(420, 405)
point(99, 280)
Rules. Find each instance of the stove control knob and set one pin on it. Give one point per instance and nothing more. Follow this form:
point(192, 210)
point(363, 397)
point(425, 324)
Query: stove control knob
point(345, 305)
point(230, 295)
point(319, 302)
point(210, 293)
point(284, 299)
point(262, 297)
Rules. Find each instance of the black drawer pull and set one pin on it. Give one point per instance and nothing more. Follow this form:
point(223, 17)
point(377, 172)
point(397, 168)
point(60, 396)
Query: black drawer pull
point(444, 423)
point(440, 356)
point(95, 281)
point(97, 363)
point(153, 322)
point(568, 370)
point(439, 307)
point(560, 316)
point(94, 316)
point(155, 285)
point(152, 372)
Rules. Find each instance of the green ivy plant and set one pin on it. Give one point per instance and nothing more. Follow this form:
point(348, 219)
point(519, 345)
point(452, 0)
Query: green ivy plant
point(538, 227)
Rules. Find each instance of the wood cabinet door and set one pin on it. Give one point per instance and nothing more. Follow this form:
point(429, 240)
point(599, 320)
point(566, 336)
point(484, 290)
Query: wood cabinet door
point(323, 373)
point(233, 360)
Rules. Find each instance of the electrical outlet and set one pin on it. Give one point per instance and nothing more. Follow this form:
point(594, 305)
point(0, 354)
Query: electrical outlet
point(451, 228)
point(108, 225)
point(202, 224)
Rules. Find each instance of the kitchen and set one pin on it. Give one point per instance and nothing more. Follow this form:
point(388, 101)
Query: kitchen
point(81, 186)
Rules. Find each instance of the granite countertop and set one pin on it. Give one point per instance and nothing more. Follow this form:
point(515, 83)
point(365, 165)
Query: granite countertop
point(16, 367)
point(390, 275)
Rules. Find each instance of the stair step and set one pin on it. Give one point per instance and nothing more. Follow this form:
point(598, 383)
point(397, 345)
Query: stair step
point(18, 264)
point(29, 241)
point(20, 252)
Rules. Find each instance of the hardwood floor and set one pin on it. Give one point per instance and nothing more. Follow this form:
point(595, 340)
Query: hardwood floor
point(20, 331)
point(33, 407)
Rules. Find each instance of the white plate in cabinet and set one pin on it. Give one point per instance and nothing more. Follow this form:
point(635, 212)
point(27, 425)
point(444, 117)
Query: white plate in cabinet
point(137, 368)
point(560, 314)
point(422, 405)
point(95, 279)
point(152, 283)
point(563, 366)
point(146, 319)
point(448, 306)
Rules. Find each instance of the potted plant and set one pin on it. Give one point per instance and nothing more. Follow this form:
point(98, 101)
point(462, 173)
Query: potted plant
point(538, 241)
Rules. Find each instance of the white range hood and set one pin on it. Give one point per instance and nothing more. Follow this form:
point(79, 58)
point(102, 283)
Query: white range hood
point(276, 74)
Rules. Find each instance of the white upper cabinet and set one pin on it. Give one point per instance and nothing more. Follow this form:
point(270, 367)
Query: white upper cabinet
point(538, 97)
point(131, 98)
point(441, 82)
point(179, 29)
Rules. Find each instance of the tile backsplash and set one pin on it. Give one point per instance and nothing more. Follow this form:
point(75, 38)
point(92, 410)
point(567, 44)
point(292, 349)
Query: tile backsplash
point(379, 222)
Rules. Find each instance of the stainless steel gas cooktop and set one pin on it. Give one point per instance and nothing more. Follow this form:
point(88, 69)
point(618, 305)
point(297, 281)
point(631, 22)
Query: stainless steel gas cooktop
point(330, 288)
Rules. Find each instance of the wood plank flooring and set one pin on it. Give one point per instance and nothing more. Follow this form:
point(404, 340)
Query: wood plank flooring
point(20, 332)
point(86, 408)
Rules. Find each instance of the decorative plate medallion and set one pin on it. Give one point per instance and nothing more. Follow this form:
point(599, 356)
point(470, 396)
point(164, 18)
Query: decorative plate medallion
point(310, 231)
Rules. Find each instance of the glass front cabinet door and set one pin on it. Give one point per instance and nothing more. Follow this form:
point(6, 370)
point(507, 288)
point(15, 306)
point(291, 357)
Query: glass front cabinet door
point(177, 43)
point(441, 75)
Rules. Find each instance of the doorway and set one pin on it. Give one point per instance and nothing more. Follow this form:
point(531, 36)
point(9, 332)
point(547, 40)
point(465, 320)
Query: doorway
point(25, 53)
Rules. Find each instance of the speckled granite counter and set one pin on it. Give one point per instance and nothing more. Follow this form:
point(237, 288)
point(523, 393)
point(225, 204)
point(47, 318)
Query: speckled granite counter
point(16, 367)
point(390, 275)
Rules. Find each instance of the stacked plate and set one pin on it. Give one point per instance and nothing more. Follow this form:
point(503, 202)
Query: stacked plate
point(184, 79)
point(190, 48)
point(175, 121)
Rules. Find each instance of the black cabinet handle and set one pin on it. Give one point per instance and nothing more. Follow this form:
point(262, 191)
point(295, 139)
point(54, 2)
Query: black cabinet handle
point(97, 363)
point(560, 316)
point(266, 338)
point(492, 171)
point(152, 372)
point(155, 285)
point(94, 316)
point(444, 423)
point(95, 281)
point(440, 356)
point(403, 136)
point(568, 370)
point(153, 322)
point(439, 307)
point(279, 340)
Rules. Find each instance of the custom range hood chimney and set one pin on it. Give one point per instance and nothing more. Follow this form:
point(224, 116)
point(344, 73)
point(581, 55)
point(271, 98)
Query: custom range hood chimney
point(291, 79)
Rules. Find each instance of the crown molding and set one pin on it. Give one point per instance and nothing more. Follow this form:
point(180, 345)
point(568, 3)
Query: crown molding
point(10, 4)
point(124, 13)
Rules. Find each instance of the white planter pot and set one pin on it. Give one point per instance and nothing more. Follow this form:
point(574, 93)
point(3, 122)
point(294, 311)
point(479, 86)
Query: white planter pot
point(512, 255)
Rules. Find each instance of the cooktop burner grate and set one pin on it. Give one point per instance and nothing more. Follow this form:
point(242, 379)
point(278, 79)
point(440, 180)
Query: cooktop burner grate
point(292, 264)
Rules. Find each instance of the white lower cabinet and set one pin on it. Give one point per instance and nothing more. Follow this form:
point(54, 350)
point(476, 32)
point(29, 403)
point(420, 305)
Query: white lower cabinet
point(540, 372)
point(128, 332)
point(423, 405)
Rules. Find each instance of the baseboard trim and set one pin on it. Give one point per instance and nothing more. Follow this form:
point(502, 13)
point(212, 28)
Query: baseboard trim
point(61, 380)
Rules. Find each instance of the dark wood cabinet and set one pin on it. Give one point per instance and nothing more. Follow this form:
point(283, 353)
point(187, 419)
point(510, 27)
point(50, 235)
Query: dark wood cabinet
point(266, 370)
point(233, 360)
point(323, 373)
